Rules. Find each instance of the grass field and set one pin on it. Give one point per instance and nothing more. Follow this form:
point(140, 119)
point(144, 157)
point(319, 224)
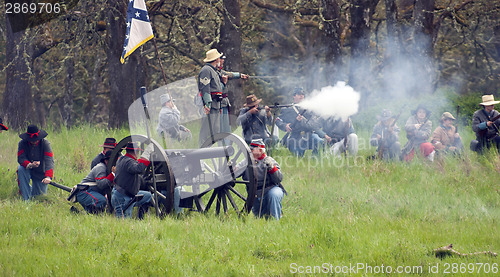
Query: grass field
point(354, 217)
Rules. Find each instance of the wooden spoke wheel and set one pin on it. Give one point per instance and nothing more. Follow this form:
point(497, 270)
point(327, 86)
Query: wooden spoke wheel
point(229, 190)
point(159, 171)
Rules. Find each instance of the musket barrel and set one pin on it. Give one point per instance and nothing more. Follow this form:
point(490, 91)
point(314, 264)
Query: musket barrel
point(68, 189)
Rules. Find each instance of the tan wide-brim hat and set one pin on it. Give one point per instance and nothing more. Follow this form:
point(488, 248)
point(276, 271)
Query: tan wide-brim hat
point(252, 100)
point(489, 100)
point(212, 55)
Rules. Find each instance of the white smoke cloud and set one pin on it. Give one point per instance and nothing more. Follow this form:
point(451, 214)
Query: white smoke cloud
point(340, 100)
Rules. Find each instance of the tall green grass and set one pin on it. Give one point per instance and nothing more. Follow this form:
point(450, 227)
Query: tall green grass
point(336, 213)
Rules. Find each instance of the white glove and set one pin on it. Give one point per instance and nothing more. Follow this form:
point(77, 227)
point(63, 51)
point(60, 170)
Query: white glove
point(269, 163)
point(147, 152)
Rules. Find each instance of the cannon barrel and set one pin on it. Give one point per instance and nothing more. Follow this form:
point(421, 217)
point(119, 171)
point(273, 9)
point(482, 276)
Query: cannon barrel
point(203, 153)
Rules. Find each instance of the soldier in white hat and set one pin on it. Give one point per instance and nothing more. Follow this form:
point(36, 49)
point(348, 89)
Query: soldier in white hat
point(485, 123)
point(210, 86)
point(445, 138)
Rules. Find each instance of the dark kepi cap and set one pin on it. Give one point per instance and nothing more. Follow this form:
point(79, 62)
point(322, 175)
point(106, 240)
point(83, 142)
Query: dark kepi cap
point(298, 90)
point(33, 133)
point(133, 146)
point(109, 143)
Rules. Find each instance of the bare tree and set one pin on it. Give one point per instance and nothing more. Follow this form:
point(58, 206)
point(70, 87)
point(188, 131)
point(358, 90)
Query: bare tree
point(17, 101)
point(361, 13)
point(230, 43)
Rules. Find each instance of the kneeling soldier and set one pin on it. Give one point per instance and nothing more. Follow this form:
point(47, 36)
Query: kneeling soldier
point(128, 181)
point(90, 192)
point(268, 171)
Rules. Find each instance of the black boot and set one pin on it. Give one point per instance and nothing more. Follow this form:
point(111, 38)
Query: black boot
point(142, 211)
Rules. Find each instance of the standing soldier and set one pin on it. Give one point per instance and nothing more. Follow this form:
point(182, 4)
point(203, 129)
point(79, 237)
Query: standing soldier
point(253, 120)
point(3, 127)
point(108, 145)
point(386, 136)
point(485, 123)
point(225, 125)
point(36, 163)
point(128, 181)
point(445, 138)
point(210, 86)
point(418, 131)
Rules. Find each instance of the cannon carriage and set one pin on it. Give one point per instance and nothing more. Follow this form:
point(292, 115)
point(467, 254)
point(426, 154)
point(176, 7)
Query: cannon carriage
point(219, 176)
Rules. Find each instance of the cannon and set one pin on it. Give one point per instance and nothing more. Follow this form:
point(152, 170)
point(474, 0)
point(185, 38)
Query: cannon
point(221, 173)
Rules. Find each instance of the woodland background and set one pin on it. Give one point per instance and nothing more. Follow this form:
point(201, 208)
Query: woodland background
point(67, 71)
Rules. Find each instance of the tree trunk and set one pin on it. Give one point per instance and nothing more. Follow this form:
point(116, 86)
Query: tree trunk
point(17, 101)
point(330, 11)
point(122, 77)
point(230, 44)
point(360, 75)
point(393, 33)
point(423, 47)
point(65, 102)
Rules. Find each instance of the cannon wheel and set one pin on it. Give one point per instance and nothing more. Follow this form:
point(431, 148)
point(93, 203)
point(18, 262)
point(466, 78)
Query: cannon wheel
point(162, 168)
point(237, 191)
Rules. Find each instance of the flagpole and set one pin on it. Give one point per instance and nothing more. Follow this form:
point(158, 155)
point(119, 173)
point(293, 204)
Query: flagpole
point(161, 67)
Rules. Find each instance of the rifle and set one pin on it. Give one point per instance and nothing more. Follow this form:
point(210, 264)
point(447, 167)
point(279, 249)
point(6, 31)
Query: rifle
point(59, 186)
point(263, 77)
point(458, 113)
point(276, 108)
point(380, 153)
point(346, 133)
point(292, 125)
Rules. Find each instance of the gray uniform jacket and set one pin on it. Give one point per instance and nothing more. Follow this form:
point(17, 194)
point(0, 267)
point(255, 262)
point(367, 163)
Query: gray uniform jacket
point(254, 125)
point(416, 136)
point(388, 138)
point(168, 122)
point(209, 81)
point(336, 128)
point(274, 176)
point(98, 179)
point(230, 76)
point(479, 118)
point(300, 129)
